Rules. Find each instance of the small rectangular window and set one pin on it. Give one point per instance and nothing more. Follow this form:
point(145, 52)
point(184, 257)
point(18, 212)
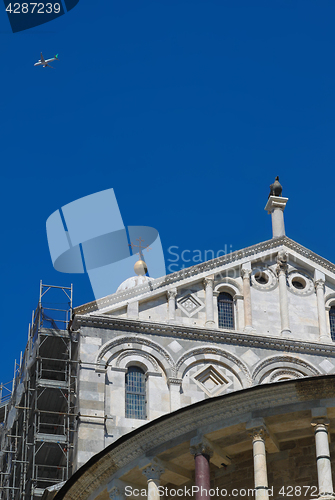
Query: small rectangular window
point(135, 393)
point(226, 310)
point(332, 322)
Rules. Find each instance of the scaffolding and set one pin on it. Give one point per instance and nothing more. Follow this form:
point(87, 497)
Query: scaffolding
point(38, 408)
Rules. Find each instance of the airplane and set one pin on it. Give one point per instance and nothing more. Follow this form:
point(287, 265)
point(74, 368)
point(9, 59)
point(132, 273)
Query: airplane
point(45, 62)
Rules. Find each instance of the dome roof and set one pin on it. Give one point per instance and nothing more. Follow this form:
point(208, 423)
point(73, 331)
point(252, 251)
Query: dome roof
point(132, 282)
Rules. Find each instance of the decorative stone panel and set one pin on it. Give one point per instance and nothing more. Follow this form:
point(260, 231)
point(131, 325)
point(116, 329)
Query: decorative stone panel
point(211, 380)
point(189, 305)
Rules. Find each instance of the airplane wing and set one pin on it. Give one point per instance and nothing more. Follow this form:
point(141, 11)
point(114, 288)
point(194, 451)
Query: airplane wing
point(42, 58)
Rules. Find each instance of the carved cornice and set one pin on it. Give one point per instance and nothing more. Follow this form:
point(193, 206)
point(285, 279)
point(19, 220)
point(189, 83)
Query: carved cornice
point(161, 284)
point(205, 335)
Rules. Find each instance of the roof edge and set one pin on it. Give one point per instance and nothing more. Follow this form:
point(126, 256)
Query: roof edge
point(208, 266)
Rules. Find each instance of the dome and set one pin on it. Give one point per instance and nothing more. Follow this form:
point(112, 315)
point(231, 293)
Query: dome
point(132, 282)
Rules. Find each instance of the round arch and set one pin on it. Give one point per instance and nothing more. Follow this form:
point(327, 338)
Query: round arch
point(291, 364)
point(330, 300)
point(228, 285)
point(215, 355)
point(111, 351)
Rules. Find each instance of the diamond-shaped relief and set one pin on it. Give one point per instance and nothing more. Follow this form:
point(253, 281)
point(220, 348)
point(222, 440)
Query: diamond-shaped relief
point(189, 305)
point(175, 346)
point(326, 365)
point(211, 380)
point(250, 357)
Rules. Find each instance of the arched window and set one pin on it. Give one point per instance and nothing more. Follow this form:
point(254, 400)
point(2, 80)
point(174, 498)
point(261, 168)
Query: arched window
point(332, 322)
point(226, 310)
point(135, 393)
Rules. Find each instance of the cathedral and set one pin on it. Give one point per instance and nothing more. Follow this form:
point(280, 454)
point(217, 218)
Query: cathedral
point(218, 377)
point(212, 381)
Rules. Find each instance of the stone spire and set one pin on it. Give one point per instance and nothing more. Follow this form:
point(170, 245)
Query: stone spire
point(275, 206)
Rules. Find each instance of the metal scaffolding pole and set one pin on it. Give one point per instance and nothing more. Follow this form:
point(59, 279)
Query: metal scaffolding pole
point(39, 419)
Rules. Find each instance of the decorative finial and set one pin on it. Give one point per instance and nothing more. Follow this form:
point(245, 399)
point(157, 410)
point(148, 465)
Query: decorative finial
point(140, 266)
point(276, 188)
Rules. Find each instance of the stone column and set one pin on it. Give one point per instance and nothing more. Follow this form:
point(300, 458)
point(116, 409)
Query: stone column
point(327, 309)
point(153, 473)
point(276, 206)
point(323, 458)
point(324, 335)
point(202, 453)
point(245, 273)
point(239, 308)
point(283, 300)
point(174, 388)
point(171, 295)
point(260, 471)
point(215, 308)
point(209, 284)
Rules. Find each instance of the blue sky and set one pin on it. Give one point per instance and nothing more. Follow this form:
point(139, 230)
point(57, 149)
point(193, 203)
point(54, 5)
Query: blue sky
point(187, 108)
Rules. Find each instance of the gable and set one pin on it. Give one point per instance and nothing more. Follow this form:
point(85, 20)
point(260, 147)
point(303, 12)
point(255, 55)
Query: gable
point(301, 262)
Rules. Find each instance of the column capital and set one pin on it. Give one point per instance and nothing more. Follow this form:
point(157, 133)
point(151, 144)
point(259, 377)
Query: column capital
point(320, 421)
point(172, 293)
point(209, 281)
point(257, 429)
point(275, 202)
point(258, 434)
point(174, 381)
point(153, 471)
point(245, 273)
point(200, 446)
point(319, 284)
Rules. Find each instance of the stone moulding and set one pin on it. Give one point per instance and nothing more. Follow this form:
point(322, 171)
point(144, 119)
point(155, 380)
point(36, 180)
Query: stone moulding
point(294, 361)
point(277, 398)
point(235, 362)
point(120, 342)
point(160, 284)
point(205, 335)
